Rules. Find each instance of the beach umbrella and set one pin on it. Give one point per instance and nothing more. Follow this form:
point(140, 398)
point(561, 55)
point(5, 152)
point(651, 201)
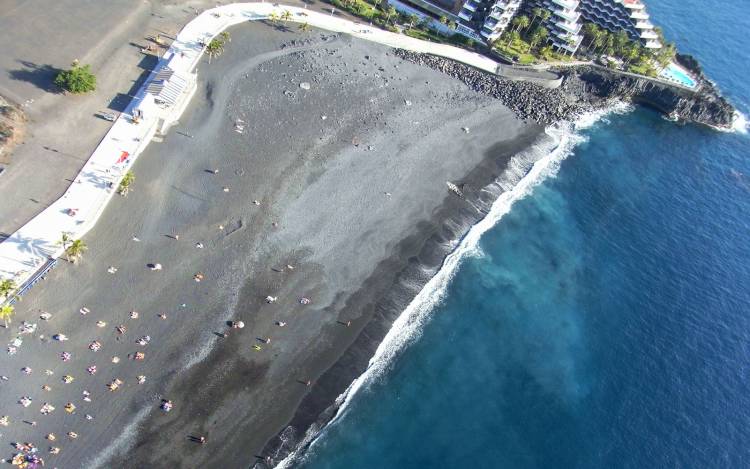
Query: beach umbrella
point(123, 156)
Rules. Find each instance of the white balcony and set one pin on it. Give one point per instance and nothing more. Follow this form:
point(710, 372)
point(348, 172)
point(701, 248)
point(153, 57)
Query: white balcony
point(644, 25)
point(470, 6)
point(568, 15)
point(569, 4)
point(572, 28)
point(507, 4)
point(649, 34)
point(465, 15)
point(500, 14)
point(633, 4)
point(653, 44)
point(639, 15)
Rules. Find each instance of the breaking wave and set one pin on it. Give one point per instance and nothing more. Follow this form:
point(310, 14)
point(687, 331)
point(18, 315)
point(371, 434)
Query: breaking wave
point(525, 171)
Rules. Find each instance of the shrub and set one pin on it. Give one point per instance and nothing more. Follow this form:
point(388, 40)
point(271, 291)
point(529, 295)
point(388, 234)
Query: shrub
point(78, 79)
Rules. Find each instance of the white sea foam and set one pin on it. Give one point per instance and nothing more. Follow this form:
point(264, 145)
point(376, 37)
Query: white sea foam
point(121, 443)
point(739, 124)
point(525, 171)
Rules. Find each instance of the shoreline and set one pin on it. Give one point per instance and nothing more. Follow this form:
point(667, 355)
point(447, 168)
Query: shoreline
point(400, 324)
point(415, 262)
point(357, 306)
point(343, 173)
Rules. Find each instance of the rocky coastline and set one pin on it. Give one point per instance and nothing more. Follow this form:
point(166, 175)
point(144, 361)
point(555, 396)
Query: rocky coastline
point(586, 88)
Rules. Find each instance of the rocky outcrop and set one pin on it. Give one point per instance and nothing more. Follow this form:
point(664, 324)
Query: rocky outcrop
point(705, 106)
point(12, 121)
point(588, 87)
point(528, 100)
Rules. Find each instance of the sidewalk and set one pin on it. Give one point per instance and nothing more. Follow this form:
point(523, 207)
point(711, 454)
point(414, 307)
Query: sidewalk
point(77, 211)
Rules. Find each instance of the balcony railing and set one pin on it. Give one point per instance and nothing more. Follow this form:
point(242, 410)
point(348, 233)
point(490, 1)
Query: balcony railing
point(470, 6)
point(569, 4)
point(465, 15)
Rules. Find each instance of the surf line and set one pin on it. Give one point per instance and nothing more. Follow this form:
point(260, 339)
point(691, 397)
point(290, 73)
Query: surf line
point(525, 171)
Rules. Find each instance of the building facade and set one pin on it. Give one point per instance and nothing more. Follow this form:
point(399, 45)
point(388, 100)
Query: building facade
point(490, 18)
point(627, 15)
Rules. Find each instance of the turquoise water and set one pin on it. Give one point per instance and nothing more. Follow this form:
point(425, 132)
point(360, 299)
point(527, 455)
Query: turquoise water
point(675, 73)
point(604, 322)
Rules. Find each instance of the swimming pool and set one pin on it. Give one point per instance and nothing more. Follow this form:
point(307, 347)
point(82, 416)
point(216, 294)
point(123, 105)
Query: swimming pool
point(678, 75)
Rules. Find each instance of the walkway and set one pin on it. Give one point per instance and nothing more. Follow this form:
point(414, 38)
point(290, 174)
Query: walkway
point(77, 211)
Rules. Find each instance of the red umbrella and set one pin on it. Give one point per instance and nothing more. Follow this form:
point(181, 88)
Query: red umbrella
point(123, 156)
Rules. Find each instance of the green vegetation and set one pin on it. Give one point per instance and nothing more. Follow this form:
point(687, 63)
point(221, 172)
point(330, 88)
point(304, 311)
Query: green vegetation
point(7, 287)
point(527, 44)
point(125, 183)
point(65, 239)
point(382, 14)
point(361, 8)
point(634, 56)
point(75, 251)
point(78, 79)
point(304, 27)
point(214, 48)
point(6, 313)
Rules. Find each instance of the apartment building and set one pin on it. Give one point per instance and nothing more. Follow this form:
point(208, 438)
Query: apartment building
point(490, 18)
point(568, 17)
point(627, 15)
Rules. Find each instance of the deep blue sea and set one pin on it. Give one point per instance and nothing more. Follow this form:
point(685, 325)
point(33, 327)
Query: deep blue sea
point(606, 321)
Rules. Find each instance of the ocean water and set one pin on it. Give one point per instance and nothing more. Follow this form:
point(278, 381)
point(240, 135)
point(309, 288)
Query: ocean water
point(603, 321)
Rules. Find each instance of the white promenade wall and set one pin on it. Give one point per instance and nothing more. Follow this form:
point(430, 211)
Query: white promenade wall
point(78, 210)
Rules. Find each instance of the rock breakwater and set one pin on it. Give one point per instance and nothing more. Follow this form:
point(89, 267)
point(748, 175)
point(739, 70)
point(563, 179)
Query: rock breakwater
point(528, 100)
point(586, 88)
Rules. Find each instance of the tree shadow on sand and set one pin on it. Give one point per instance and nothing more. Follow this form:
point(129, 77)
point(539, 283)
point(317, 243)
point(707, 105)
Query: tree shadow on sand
point(41, 76)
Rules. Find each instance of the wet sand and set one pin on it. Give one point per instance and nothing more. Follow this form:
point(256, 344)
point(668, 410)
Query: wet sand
point(351, 179)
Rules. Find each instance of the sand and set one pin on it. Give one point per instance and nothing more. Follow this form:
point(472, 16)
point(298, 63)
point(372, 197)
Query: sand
point(351, 179)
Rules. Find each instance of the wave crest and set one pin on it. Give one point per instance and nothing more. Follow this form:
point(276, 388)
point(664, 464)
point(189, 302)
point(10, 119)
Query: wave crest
point(525, 171)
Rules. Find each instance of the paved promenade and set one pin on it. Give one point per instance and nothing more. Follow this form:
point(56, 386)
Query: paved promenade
point(77, 211)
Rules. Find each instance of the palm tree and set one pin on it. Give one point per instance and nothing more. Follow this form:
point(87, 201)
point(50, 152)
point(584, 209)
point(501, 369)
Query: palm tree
point(64, 239)
point(632, 52)
point(452, 25)
point(570, 42)
point(273, 17)
point(621, 42)
point(6, 313)
point(304, 27)
point(214, 48)
point(590, 30)
point(6, 288)
point(286, 16)
point(225, 36)
point(540, 34)
point(76, 250)
point(443, 19)
point(514, 36)
point(413, 19)
point(126, 182)
point(390, 12)
point(520, 22)
point(545, 51)
point(537, 12)
point(545, 15)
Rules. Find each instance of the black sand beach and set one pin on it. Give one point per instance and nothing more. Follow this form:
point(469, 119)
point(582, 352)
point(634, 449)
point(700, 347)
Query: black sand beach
point(350, 175)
